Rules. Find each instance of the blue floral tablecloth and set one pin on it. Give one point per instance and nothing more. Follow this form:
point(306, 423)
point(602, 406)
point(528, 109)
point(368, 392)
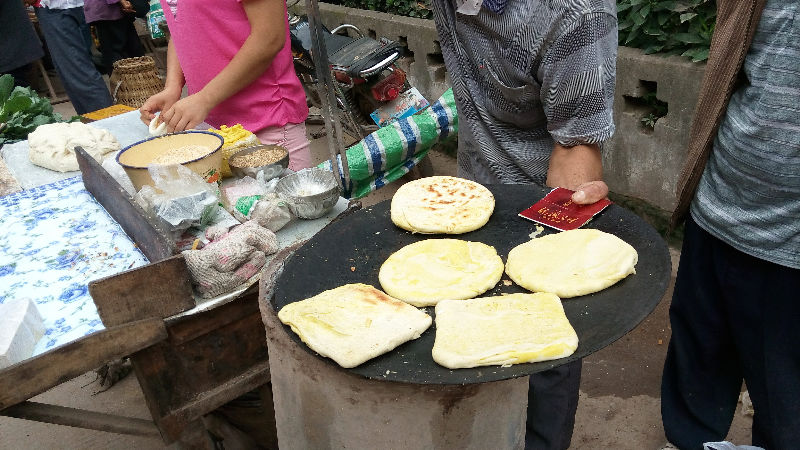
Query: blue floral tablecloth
point(54, 240)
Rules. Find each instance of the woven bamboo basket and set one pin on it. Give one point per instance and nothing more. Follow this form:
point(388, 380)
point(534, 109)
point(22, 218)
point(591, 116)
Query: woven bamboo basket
point(134, 80)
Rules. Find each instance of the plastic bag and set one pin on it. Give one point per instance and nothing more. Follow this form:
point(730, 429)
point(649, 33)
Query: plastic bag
point(271, 212)
point(181, 198)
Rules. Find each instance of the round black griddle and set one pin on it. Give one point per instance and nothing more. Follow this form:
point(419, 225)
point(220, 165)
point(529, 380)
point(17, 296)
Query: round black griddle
point(364, 239)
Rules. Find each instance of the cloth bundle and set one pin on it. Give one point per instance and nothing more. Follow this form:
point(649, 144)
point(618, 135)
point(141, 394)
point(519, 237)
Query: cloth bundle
point(230, 259)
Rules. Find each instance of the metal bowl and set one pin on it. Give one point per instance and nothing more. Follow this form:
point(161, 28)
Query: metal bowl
point(310, 193)
point(271, 170)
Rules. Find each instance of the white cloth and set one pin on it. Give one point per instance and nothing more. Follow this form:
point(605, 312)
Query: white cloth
point(62, 4)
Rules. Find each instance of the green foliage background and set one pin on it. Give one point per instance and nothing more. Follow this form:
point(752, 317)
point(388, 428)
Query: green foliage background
point(669, 27)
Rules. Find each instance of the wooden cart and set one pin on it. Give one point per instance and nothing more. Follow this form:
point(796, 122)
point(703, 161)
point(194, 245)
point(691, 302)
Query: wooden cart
point(189, 360)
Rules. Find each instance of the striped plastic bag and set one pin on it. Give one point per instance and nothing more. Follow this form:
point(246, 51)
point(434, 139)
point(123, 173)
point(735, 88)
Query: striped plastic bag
point(392, 151)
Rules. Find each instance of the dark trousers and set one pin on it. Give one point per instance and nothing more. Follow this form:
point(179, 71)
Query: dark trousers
point(67, 37)
point(118, 40)
point(733, 317)
point(552, 403)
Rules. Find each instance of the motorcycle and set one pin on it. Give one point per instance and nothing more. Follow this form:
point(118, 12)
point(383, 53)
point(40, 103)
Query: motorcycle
point(370, 89)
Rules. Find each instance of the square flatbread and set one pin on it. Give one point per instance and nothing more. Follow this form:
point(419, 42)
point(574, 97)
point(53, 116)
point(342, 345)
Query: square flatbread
point(354, 323)
point(571, 263)
point(441, 204)
point(427, 271)
point(502, 330)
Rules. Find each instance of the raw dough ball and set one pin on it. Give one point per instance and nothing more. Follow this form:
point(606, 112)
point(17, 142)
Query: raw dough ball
point(52, 146)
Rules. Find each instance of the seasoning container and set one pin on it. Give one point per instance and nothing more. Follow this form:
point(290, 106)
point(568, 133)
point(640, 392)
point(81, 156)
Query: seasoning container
point(270, 159)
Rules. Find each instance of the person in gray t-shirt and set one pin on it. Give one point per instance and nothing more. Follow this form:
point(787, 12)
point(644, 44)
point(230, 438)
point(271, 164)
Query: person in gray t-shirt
point(534, 87)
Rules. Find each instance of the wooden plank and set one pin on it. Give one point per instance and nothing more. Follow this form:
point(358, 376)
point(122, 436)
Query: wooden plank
point(151, 238)
point(161, 289)
point(36, 375)
point(80, 418)
point(183, 379)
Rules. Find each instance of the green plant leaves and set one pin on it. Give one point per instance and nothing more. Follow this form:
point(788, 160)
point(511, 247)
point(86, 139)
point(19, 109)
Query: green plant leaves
point(667, 27)
point(22, 110)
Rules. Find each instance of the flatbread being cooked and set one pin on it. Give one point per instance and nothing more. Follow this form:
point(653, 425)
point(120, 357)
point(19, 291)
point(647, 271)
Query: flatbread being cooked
point(427, 271)
point(441, 204)
point(354, 323)
point(503, 330)
point(571, 263)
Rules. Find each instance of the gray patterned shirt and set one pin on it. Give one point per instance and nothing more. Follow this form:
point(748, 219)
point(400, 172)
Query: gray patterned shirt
point(749, 193)
point(541, 72)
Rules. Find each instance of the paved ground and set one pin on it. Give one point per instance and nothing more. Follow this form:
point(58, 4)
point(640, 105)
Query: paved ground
point(618, 409)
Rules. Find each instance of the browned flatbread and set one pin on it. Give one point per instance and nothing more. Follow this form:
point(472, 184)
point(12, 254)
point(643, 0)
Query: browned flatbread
point(442, 204)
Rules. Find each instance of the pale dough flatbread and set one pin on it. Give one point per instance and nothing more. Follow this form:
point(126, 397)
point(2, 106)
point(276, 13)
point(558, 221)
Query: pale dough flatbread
point(354, 323)
point(441, 204)
point(571, 263)
point(508, 329)
point(427, 271)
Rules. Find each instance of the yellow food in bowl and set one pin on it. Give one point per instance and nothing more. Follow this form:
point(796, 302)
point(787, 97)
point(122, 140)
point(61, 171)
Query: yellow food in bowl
point(196, 150)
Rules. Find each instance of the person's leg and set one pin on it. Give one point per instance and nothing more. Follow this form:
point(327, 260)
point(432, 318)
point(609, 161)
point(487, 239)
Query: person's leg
point(293, 138)
point(764, 311)
point(132, 46)
point(67, 37)
point(109, 49)
point(702, 375)
point(20, 75)
point(552, 403)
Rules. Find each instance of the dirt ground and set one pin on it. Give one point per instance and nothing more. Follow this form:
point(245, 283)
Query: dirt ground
point(618, 408)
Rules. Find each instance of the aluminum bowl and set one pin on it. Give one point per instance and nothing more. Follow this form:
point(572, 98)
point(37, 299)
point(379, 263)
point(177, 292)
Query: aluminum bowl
point(310, 193)
point(271, 170)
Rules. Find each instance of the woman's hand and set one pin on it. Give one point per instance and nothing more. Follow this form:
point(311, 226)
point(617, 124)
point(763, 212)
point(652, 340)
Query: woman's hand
point(158, 103)
point(186, 113)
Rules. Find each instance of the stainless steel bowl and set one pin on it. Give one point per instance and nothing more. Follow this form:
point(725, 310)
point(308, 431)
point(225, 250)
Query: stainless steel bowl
point(310, 193)
point(271, 170)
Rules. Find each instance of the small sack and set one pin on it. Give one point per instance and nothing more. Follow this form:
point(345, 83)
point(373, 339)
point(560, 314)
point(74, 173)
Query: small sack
point(134, 80)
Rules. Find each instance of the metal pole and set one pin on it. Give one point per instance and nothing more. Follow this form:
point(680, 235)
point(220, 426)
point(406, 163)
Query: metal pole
point(330, 111)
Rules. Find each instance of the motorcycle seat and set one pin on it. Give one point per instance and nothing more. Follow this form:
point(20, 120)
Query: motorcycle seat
point(357, 56)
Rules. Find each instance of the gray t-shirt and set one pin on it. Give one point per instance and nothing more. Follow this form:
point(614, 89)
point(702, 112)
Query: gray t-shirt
point(749, 193)
point(543, 71)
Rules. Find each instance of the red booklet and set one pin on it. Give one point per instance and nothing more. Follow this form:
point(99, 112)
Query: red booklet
point(556, 210)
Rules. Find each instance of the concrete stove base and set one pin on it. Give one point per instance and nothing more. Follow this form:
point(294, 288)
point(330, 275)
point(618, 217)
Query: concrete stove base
point(319, 405)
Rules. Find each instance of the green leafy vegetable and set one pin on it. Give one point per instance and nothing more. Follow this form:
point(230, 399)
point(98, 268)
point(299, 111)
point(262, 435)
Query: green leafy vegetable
point(22, 110)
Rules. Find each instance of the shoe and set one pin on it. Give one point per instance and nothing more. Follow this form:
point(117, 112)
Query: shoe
point(668, 446)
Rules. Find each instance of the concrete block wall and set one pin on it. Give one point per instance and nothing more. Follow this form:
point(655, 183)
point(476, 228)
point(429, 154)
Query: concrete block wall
point(645, 163)
point(638, 162)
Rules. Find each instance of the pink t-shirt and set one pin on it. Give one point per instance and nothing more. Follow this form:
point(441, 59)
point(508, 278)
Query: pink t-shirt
point(206, 36)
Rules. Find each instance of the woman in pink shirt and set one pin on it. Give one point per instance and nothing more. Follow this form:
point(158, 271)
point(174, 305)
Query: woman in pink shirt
point(234, 57)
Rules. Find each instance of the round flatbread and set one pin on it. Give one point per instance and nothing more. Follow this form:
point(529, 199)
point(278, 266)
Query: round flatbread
point(571, 263)
point(425, 272)
point(442, 204)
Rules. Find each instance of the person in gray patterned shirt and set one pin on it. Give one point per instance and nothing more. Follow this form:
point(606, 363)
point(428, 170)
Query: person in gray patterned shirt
point(534, 87)
point(736, 302)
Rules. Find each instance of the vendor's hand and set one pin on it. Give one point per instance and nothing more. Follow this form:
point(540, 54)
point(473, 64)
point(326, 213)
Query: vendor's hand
point(231, 259)
point(158, 102)
point(186, 113)
point(126, 6)
point(580, 169)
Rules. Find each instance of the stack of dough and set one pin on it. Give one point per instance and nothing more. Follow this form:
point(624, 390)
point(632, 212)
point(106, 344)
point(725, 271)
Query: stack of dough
point(508, 329)
point(441, 204)
point(425, 272)
point(571, 263)
point(234, 138)
point(52, 146)
point(354, 323)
